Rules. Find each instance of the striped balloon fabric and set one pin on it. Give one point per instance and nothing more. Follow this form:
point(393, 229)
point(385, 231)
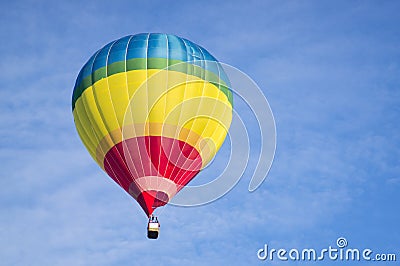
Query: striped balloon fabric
point(152, 110)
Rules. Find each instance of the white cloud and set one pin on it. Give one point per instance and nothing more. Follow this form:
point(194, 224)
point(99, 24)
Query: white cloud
point(332, 85)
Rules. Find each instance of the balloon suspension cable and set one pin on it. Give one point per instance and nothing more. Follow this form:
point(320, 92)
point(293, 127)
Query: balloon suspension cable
point(161, 209)
point(153, 218)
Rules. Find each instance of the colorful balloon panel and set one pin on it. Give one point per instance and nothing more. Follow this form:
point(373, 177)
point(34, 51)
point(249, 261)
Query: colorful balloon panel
point(152, 110)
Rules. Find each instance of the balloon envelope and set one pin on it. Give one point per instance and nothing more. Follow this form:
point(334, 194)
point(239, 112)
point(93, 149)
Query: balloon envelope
point(152, 110)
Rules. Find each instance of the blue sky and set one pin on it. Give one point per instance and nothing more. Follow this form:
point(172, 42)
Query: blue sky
point(330, 71)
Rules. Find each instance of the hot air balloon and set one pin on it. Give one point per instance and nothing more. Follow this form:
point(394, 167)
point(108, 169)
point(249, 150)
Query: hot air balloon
point(152, 110)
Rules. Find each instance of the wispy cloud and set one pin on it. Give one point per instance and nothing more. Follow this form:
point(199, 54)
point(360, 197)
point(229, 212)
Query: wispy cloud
point(329, 71)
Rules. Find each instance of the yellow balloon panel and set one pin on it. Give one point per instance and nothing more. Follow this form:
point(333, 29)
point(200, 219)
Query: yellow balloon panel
point(150, 98)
